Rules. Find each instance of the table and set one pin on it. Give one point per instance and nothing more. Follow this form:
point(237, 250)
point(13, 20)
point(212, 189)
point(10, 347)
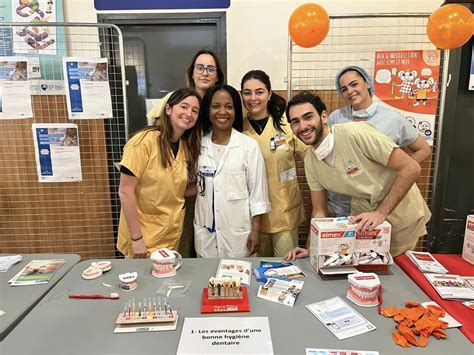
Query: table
point(455, 265)
point(59, 325)
point(16, 302)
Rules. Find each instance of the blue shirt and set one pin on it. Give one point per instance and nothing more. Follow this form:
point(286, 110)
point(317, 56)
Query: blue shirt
point(388, 121)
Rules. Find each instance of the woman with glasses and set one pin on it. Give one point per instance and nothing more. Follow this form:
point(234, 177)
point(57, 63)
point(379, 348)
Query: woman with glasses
point(279, 146)
point(156, 164)
point(232, 186)
point(203, 72)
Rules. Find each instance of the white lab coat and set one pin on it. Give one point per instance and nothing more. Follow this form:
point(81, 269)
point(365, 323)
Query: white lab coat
point(229, 195)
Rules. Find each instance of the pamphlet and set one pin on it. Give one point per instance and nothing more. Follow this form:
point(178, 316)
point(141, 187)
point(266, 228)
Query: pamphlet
point(312, 351)
point(451, 286)
point(277, 270)
point(469, 280)
point(340, 318)
point(426, 262)
point(36, 272)
point(281, 291)
point(6, 262)
point(235, 268)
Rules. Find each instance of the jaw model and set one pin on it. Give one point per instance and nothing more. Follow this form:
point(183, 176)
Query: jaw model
point(364, 289)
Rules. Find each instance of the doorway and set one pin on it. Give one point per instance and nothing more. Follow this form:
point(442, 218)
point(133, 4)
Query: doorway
point(157, 51)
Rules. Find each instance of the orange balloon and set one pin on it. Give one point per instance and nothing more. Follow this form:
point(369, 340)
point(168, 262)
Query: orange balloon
point(450, 26)
point(308, 25)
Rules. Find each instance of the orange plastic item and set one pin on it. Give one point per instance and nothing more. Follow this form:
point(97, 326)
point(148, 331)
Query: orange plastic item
point(416, 323)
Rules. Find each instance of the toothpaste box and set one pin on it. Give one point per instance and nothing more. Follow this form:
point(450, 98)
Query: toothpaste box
point(468, 246)
point(336, 246)
point(332, 243)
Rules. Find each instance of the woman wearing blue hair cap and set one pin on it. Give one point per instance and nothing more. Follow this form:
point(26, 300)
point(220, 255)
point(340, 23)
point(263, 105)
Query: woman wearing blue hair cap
point(355, 85)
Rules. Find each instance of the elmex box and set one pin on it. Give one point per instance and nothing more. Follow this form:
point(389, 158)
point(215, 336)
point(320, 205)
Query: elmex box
point(468, 246)
point(336, 246)
point(332, 243)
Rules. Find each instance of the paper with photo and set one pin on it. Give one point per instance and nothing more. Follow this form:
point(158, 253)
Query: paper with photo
point(87, 88)
point(312, 351)
point(36, 272)
point(341, 319)
point(15, 95)
point(281, 291)
point(57, 152)
point(235, 268)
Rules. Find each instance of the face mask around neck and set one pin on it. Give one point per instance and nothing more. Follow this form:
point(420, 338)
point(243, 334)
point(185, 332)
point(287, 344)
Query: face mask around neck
point(367, 112)
point(325, 148)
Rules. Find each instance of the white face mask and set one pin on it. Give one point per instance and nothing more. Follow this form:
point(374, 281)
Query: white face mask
point(367, 112)
point(325, 148)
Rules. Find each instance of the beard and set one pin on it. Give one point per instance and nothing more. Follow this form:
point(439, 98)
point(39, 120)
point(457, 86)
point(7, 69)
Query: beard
point(318, 134)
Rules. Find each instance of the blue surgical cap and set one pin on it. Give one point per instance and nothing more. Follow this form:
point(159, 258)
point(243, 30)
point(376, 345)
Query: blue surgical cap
point(362, 73)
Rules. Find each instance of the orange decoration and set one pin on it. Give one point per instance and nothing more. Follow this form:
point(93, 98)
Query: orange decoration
point(308, 25)
point(450, 26)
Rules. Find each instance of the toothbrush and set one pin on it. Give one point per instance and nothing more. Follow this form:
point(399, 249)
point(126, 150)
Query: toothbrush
point(113, 296)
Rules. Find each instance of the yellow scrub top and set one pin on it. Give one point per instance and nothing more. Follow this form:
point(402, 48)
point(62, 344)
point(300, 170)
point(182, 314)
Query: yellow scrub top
point(285, 196)
point(159, 193)
point(361, 171)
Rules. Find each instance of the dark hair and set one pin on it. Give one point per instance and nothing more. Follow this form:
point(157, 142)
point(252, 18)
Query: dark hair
point(276, 105)
point(192, 136)
point(190, 70)
point(306, 97)
point(206, 106)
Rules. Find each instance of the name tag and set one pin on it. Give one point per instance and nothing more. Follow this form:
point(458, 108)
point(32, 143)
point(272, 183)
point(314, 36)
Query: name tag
point(353, 169)
point(277, 142)
point(288, 175)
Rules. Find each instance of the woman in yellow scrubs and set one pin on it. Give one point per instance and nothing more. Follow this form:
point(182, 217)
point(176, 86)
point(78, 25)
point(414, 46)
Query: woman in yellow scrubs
point(204, 71)
point(155, 167)
point(264, 123)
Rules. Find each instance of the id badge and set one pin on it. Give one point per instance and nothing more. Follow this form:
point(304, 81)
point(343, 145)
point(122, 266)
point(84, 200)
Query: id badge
point(207, 171)
point(277, 142)
point(353, 169)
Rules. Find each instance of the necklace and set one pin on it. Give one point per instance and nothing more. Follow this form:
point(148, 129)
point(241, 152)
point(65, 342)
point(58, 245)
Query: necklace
point(259, 125)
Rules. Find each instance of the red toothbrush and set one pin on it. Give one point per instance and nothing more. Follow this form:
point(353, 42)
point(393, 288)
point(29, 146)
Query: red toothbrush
point(113, 296)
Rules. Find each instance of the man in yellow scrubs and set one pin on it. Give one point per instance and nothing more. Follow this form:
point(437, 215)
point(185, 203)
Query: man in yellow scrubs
point(356, 160)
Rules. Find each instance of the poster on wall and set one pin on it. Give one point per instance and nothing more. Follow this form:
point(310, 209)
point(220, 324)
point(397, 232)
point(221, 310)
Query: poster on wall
point(87, 88)
point(15, 96)
point(57, 152)
point(32, 38)
point(407, 80)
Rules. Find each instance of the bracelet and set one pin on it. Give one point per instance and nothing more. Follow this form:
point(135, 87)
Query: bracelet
point(134, 240)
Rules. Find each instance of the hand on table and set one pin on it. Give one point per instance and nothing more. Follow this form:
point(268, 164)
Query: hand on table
point(296, 253)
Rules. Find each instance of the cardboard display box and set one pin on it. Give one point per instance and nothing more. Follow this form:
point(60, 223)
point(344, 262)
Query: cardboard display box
point(468, 246)
point(335, 247)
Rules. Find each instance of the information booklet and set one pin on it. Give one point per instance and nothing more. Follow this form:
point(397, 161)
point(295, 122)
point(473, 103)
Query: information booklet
point(426, 262)
point(235, 268)
point(281, 291)
point(451, 287)
point(36, 272)
point(340, 318)
point(311, 351)
point(277, 270)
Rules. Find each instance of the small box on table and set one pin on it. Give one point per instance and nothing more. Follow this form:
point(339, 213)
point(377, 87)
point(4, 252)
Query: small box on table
point(468, 246)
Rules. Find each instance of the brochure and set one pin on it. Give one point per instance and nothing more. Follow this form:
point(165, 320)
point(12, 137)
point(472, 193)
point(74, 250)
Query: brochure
point(6, 262)
point(426, 262)
point(235, 268)
point(281, 291)
point(341, 319)
point(451, 286)
point(312, 351)
point(277, 270)
point(36, 272)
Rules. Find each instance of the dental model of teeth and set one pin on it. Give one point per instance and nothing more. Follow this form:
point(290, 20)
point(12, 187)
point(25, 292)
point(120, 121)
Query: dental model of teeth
point(225, 288)
point(364, 289)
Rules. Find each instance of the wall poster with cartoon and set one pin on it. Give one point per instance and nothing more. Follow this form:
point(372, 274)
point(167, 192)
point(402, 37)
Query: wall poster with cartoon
point(407, 80)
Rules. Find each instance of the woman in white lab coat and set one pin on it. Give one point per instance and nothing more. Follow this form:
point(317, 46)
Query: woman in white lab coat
point(231, 183)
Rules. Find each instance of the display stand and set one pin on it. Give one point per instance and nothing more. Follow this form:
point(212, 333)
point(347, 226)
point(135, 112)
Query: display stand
point(225, 304)
point(133, 325)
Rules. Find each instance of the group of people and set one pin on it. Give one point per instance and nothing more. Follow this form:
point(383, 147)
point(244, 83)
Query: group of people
point(232, 156)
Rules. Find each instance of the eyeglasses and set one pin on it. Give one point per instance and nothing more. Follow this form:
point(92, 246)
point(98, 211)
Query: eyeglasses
point(211, 70)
